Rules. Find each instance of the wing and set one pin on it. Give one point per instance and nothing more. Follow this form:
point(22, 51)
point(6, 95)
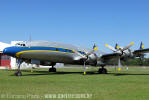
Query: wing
point(141, 51)
point(108, 58)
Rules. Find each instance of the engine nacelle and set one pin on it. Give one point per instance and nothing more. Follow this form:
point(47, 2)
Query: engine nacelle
point(127, 53)
point(92, 59)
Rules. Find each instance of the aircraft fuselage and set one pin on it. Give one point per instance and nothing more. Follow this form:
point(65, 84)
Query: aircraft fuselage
point(45, 53)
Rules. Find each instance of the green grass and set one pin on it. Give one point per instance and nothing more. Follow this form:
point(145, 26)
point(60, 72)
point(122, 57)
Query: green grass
point(125, 85)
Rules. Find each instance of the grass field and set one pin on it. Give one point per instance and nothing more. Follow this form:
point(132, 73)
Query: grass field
point(41, 85)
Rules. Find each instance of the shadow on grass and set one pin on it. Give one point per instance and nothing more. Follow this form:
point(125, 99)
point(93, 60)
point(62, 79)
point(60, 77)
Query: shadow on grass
point(34, 73)
point(39, 73)
point(128, 74)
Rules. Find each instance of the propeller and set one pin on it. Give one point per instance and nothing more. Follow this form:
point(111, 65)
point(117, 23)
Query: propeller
point(119, 51)
point(85, 56)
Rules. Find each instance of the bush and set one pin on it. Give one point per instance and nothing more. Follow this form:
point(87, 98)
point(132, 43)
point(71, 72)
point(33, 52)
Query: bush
point(136, 62)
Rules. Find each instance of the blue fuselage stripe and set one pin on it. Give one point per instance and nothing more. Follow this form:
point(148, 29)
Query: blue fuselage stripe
point(13, 50)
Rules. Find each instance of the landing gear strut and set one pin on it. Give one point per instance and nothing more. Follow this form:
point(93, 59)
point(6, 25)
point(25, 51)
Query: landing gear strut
point(18, 73)
point(53, 69)
point(102, 70)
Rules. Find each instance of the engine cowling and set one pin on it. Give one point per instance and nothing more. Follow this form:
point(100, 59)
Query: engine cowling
point(92, 59)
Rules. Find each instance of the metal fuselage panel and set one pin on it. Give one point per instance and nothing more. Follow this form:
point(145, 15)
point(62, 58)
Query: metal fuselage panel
point(50, 56)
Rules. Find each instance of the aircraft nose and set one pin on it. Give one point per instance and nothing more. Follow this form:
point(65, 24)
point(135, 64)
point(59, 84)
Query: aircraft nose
point(9, 51)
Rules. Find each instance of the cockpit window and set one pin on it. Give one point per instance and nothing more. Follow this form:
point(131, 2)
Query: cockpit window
point(20, 44)
point(23, 45)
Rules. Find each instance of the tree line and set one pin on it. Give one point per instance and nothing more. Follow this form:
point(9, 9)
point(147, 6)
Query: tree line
point(136, 62)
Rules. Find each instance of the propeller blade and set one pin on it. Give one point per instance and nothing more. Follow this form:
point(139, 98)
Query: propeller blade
point(141, 46)
point(111, 48)
point(116, 46)
point(89, 53)
point(84, 68)
point(95, 48)
point(127, 47)
point(83, 56)
point(119, 64)
point(84, 59)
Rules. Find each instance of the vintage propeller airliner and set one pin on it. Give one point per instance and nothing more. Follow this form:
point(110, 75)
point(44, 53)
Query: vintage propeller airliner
point(50, 53)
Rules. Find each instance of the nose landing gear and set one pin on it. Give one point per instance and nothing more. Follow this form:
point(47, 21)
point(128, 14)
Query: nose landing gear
point(19, 62)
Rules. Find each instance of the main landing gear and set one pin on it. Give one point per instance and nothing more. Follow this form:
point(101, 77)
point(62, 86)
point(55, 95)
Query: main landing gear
point(102, 70)
point(18, 73)
point(52, 69)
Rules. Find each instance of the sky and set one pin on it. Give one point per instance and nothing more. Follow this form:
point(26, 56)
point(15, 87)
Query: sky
point(78, 22)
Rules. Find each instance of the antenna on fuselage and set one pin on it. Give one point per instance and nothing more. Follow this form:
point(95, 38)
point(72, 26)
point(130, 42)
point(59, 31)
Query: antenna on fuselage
point(29, 41)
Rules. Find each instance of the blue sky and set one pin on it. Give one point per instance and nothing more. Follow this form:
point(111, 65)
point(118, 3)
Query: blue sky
point(78, 22)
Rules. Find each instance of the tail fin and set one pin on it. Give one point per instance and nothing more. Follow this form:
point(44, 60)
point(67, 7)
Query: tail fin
point(141, 46)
